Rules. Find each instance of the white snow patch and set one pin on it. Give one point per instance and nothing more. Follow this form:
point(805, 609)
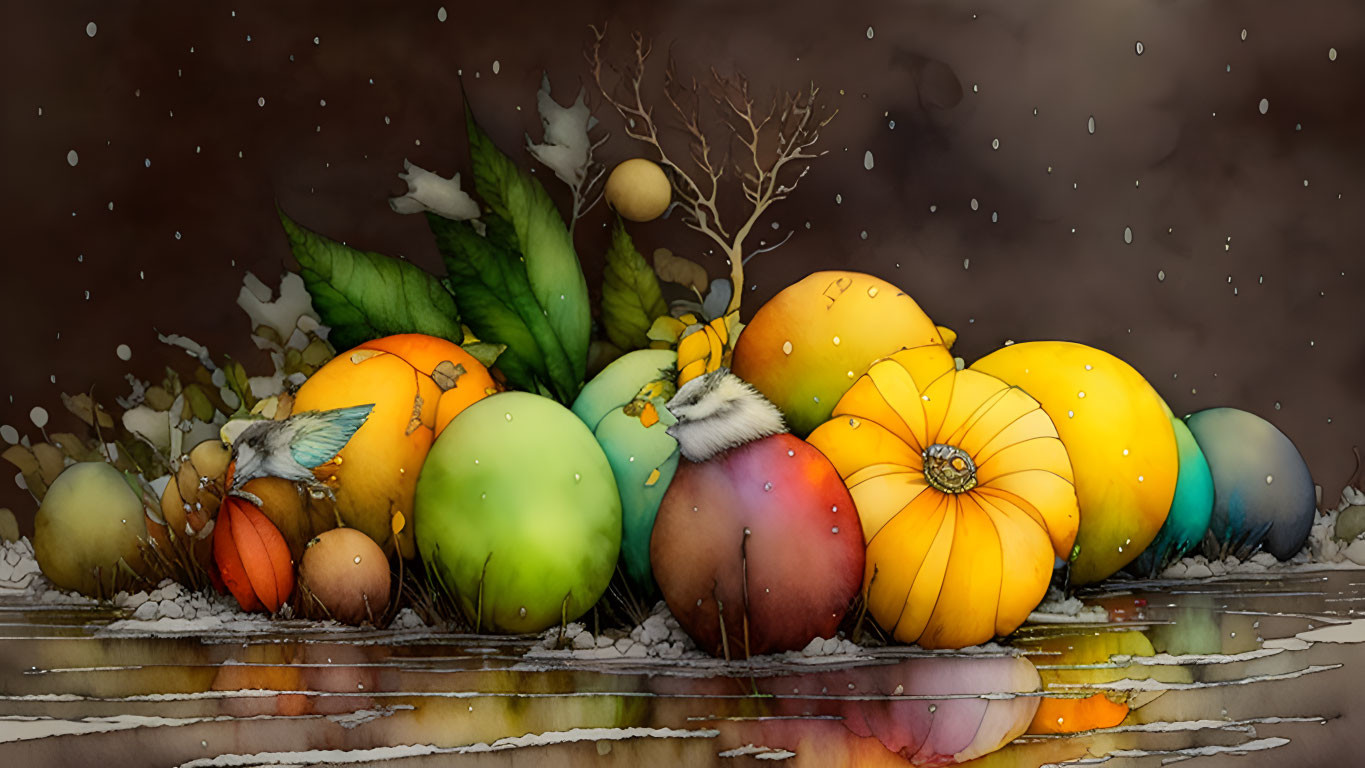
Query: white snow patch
point(661, 637)
point(19, 571)
point(1057, 608)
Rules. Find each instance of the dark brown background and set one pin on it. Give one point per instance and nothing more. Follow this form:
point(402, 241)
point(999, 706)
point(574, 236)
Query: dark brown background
point(178, 83)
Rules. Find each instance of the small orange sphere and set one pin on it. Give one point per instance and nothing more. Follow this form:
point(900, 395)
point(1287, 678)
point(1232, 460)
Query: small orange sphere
point(345, 576)
point(417, 384)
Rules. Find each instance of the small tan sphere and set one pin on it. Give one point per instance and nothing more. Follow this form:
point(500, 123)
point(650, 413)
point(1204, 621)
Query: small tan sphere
point(347, 575)
point(638, 189)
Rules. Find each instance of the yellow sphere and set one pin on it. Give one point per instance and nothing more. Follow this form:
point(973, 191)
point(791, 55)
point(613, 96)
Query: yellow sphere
point(1121, 443)
point(638, 190)
point(810, 342)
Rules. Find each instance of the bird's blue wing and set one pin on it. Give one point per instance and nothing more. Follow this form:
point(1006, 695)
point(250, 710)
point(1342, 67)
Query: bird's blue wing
point(321, 435)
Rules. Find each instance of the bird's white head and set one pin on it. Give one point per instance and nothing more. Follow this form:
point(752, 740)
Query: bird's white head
point(719, 411)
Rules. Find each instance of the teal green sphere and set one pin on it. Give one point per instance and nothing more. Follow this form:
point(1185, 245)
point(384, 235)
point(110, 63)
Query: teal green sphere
point(1191, 507)
point(643, 458)
point(517, 514)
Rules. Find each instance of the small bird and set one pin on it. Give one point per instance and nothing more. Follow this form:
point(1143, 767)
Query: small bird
point(718, 411)
point(291, 448)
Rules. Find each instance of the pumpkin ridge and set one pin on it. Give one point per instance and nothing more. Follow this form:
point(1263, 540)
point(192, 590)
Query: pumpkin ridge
point(1000, 551)
point(950, 525)
point(873, 422)
point(976, 416)
point(990, 448)
point(903, 471)
point(933, 432)
point(910, 493)
point(989, 484)
point(889, 430)
point(986, 442)
point(976, 393)
point(877, 388)
point(938, 511)
point(982, 466)
point(1024, 505)
point(901, 511)
point(956, 503)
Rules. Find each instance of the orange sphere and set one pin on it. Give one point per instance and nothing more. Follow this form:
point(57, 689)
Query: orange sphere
point(347, 575)
point(417, 384)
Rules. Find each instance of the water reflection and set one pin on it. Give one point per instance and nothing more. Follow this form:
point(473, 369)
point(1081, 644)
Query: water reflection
point(1180, 670)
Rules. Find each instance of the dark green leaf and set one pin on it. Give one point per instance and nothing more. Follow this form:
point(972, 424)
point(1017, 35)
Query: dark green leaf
point(363, 295)
point(552, 267)
point(485, 352)
point(491, 285)
point(631, 298)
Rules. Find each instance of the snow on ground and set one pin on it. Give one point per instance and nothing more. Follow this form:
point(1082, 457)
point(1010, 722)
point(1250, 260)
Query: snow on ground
point(18, 569)
point(1322, 551)
point(661, 637)
point(169, 609)
point(1057, 608)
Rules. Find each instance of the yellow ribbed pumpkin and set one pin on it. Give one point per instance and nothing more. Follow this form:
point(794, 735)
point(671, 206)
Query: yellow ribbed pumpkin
point(964, 491)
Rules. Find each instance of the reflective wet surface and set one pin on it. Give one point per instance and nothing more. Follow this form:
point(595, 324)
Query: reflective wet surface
point(1257, 670)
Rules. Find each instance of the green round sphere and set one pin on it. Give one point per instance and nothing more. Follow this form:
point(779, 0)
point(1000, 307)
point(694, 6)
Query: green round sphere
point(88, 531)
point(643, 458)
point(517, 514)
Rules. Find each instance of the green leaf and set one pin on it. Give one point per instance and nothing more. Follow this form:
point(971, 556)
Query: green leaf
point(485, 352)
point(552, 267)
point(198, 402)
point(631, 297)
point(363, 295)
point(237, 382)
point(490, 283)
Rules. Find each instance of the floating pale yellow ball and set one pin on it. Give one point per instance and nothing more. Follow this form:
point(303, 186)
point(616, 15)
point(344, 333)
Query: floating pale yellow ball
point(638, 189)
point(1117, 432)
point(965, 495)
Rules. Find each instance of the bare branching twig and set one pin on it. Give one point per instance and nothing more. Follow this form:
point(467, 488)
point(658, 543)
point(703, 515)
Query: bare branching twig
point(774, 140)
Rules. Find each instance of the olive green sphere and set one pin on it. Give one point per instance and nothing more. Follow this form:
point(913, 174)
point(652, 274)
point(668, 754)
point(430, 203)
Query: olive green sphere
point(517, 514)
point(88, 531)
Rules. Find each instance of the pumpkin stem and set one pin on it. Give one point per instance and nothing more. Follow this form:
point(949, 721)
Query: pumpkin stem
point(949, 468)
